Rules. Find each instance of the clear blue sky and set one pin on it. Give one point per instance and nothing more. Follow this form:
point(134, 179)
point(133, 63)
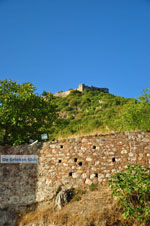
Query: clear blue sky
point(57, 44)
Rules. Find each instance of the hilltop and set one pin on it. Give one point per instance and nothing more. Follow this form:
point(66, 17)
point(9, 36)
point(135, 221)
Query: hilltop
point(80, 88)
point(94, 111)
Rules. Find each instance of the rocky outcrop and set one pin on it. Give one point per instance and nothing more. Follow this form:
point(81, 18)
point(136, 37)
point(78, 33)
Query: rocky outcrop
point(63, 196)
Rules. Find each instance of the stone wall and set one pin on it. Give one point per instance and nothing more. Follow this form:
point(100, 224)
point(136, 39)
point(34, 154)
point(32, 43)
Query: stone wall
point(73, 162)
point(62, 94)
point(80, 88)
point(17, 184)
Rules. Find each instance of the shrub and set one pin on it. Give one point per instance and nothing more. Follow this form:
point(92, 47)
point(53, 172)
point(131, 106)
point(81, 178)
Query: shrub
point(132, 188)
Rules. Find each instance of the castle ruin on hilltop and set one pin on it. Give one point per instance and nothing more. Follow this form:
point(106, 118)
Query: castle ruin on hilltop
point(81, 88)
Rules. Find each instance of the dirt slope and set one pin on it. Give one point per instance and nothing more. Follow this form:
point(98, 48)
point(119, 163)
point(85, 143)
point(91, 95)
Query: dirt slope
point(96, 208)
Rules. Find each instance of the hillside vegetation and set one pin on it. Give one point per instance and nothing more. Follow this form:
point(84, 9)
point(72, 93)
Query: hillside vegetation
point(95, 112)
point(25, 115)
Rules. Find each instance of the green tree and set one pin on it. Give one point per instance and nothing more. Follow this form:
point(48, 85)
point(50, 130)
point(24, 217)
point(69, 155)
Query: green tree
point(23, 113)
point(135, 114)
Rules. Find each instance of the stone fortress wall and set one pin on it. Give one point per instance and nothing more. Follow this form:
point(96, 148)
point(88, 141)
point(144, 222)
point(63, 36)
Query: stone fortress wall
point(73, 162)
point(81, 88)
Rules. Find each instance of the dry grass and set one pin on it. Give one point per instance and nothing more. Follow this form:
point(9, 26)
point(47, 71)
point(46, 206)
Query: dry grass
point(93, 132)
point(82, 133)
point(96, 208)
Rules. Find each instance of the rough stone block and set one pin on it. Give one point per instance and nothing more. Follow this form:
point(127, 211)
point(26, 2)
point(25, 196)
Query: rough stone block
point(52, 145)
point(97, 163)
point(124, 151)
point(92, 176)
point(75, 175)
point(88, 159)
point(84, 140)
point(88, 182)
point(84, 175)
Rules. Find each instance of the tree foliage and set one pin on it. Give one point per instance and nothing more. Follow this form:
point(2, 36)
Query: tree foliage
point(23, 113)
point(136, 113)
point(132, 188)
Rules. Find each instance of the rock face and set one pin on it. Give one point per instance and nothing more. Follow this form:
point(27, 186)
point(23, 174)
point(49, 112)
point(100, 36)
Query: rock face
point(63, 196)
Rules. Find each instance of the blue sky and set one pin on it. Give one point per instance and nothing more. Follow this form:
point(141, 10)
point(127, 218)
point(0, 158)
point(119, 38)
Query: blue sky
point(57, 44)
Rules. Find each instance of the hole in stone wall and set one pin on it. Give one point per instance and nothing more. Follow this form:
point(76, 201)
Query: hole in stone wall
point(94, 147)
point(70, 174)
point(96, 174)
point(75, 159)
point(59, 160)
point(113, 159)
point(80, 163)
point(61, 146)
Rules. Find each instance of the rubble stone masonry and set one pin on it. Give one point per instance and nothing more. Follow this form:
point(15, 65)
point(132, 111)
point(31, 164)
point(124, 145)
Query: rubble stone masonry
point(74, 162)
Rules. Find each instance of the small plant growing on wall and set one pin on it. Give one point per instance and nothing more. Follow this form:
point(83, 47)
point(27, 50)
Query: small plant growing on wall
point(77, 197)
point(93, 187)
point(132, 188)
